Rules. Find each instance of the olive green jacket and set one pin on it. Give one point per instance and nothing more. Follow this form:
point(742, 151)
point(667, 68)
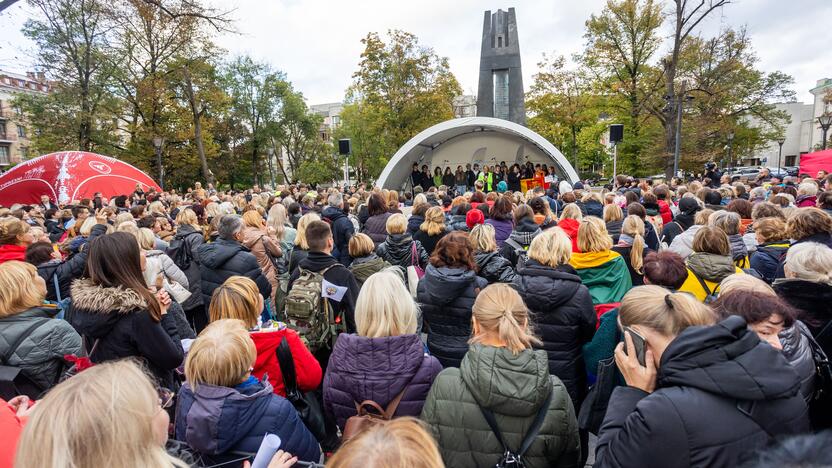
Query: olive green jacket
point(513, 388)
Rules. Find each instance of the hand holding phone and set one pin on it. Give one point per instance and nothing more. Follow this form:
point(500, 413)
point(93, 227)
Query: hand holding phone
point(636, 374)
point(638, 344)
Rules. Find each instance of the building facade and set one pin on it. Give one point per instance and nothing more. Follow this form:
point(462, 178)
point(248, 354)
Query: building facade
point(331, 112)
point(14, 135)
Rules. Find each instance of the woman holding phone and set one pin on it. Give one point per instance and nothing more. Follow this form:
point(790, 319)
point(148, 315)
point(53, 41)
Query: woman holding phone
point(707, 393)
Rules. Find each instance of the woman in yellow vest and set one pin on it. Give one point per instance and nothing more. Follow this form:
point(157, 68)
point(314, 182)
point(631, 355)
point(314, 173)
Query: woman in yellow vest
point(709, 263)
point(487, 179)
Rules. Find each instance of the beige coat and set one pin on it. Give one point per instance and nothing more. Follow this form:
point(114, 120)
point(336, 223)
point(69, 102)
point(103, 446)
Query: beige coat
point(257, 240)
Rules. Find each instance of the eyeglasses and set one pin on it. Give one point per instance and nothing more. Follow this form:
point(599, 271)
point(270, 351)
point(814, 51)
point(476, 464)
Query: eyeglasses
point(165, 397)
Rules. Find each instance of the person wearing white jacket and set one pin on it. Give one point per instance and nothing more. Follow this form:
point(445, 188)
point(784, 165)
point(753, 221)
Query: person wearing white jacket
point(683, 243)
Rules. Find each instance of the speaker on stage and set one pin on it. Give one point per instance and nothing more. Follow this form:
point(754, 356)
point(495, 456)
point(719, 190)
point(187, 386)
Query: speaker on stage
point(616, 133)
point(344, 147)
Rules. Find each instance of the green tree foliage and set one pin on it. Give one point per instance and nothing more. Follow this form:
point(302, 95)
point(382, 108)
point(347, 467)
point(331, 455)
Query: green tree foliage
point(400, 88)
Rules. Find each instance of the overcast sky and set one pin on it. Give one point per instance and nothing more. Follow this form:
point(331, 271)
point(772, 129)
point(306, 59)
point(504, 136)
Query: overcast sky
point(317, 42)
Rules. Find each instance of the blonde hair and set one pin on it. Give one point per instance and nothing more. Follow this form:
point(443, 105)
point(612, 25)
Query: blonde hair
point(17, 291)
point(770, 229)
point(701, 217)
point(810, 261)
point(500, 310)
point(420, 198)
point(592, 235)
point(157, 207)
point(125, 217)
point(187, 216)
point(237, 298)
point(434, 221)
point(571, 211)
point(86, 228)
point(212, 210)
point(129, 227)
point(551, 247)
point(633, 226)
point(221, 355)
point(401, 441)
point(384, 306)
point(277, 220)
point(743, 282)
point(146, 238)
point(666, 312)
point(303, 222)
point(11, 228)
point(807, 188)
point(482, 238)
point(252, 218)
point(612, 212)
point(360, 245)
point(396, 224)
point(100, 417)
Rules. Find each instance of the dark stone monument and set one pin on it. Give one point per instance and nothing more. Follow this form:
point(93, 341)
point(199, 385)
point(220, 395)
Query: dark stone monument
point(500, 93)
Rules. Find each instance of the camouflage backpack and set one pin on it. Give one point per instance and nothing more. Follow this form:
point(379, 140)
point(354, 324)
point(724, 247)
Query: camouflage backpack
point(310, 314)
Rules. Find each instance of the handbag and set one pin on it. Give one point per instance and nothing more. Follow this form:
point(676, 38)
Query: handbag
point(12, 380)
point(594, 407)
point(414, 271)
point(306, 404)
point(176, 291)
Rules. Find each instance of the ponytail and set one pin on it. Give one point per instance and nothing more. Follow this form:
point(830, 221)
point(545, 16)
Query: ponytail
point(499, 310)
point(665, 312)
point(637, 254)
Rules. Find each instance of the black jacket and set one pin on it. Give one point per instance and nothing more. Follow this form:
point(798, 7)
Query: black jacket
point(55, 229)
point(636, 277)
point(523, 233)
point(223, 259)
point(397, 251)
point(766, 259)
point(680, 224)
point(446, 296)
point(376, 227)
point(413, 223)
point(721, 394)
point(118, 318)
point(494, 267)
point(67, 270)
point(614, 230)
point(814, 304)
point(428, 242)
point(594, 208)
point(193, 239)
point(564, 319)
point(337, 275)
point(298, 255)
point(342, 231)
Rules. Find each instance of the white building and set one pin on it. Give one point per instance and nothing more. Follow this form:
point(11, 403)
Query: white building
point(465, 106)
point(14, 136)
point(802, 132)
point(331, 112)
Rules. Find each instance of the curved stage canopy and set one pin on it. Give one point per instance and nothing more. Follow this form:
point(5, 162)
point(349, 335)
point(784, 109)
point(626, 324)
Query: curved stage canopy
point(472, 140)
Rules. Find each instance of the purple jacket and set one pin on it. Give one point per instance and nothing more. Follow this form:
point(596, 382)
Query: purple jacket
point(377, 369)
point(502, 229)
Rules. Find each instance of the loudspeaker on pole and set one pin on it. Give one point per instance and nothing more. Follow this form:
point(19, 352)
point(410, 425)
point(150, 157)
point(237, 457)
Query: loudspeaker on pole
point(344, 147)
point(616, 133)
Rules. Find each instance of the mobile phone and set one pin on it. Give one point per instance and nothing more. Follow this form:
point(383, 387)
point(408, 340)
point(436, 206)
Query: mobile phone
point(638, 344)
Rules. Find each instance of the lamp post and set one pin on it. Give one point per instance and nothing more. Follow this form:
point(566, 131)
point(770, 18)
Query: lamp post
point(730, 147)
point(780, 141)
point(157, 143)
point(679, 101)
point(825, 121)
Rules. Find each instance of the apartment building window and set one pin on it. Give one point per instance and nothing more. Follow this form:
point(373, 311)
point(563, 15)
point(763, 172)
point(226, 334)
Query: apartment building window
point(2, 130)
point(24, 153)
point(336, 120)
point(4, 156)
point(21, 131)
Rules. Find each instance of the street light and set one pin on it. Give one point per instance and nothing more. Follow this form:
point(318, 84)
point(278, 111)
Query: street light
point(157, 143)
point(780, 141)
point(730, 146)
point(825, 121)
point(679, 101)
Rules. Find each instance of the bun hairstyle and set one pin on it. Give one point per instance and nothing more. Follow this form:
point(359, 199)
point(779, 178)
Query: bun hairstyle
point(500, 310)
point(10, 229)
point(665, 312)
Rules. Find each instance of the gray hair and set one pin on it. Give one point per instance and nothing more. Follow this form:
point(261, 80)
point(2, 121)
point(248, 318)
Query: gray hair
point(230, 225)
point(758, 193)
point(810, 261)
point(335, 200)
point(728, 221)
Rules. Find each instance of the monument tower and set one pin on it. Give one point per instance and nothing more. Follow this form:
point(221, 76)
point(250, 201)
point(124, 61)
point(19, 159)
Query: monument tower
point(500, 92)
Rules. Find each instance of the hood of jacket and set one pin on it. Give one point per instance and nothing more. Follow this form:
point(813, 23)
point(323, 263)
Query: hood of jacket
point(814, 299)
point(729, 360)
point(505, 383)
point(333, 214)
point(524, 232)
point(444, 284)
point(685, 220)
point(389, 356)
point(251, 235)
point(370, 258)
point(184, 230)
point(221, 416)
point(97, 309)
point(710, 266)
point(215, 254)
point(569, 226)
point(560, 285)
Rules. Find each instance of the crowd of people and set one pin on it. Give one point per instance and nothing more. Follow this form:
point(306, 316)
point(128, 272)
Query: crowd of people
point(462, 323)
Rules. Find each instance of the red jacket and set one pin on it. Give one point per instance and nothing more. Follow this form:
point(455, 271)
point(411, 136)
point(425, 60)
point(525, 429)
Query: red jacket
point(570, 227)
point(10, 428)
point(664, 210)
point(12, 252)
point(307, 368)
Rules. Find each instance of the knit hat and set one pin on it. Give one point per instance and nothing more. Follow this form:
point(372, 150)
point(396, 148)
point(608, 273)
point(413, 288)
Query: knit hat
point(474, 217)
point(578, 185)
point(689, 205)
point(502, 187)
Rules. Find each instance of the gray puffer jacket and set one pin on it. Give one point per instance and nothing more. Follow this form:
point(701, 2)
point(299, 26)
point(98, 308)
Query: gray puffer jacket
point(40, 355)
point(798, 351)
point(158, 262)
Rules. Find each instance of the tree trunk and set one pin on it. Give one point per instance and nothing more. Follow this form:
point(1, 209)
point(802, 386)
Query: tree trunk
point(254, 166)
point(197, 114)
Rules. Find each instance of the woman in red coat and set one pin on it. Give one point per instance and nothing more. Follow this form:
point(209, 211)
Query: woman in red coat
point(570, 220)
point(239, 298)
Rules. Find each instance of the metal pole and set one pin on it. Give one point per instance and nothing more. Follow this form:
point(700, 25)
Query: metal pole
point(779, 154)
point(614, 159)
point(159, 163)
point(823, 142)
point(676, 151)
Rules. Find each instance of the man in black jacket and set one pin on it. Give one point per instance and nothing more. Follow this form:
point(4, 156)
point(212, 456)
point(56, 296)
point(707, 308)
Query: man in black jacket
point(319, 238)
point(342, 228)
point(226, 257)
point(471, 175)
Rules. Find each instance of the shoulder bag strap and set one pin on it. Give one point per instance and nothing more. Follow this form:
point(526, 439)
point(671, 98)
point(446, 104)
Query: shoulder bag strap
point(492, 423)
point(390, 411)
point(287, 366)
point(702, 283)
point(57, 285)
point(26, 334)
point(413, 253)
point(536, 425)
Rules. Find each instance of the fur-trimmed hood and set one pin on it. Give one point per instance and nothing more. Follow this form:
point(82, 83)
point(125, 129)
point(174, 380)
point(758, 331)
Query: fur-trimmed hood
point(93, 298)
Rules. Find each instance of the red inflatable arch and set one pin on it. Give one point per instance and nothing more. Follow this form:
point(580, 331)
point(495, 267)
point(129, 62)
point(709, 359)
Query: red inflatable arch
point(68, 176)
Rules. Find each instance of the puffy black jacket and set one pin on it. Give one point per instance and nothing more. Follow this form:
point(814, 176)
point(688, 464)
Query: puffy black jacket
point(118, 318)
point(223, 259)
point(193, 239)
point(446, 296)
point(413, 223)
point(721, 394)
point(342, 231)
point(494, 267)
point(767, 258)
point(428, 242)
point(523, 234)
point(564, 319)
point(376, 227)
point(814, 303)
point(397, 251)
point(67, 270)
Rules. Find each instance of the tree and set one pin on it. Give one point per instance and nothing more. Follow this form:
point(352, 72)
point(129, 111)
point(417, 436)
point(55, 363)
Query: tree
point(296, 132)
point(402, 87)
point(72, 39)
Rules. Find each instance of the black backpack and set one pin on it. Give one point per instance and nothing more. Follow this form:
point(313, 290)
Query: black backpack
point(180, 251)
point(511, 458)
point(521, 251)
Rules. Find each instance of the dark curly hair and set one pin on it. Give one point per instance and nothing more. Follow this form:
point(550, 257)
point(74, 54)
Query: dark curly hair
point(665, 268)
point(453, 251)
